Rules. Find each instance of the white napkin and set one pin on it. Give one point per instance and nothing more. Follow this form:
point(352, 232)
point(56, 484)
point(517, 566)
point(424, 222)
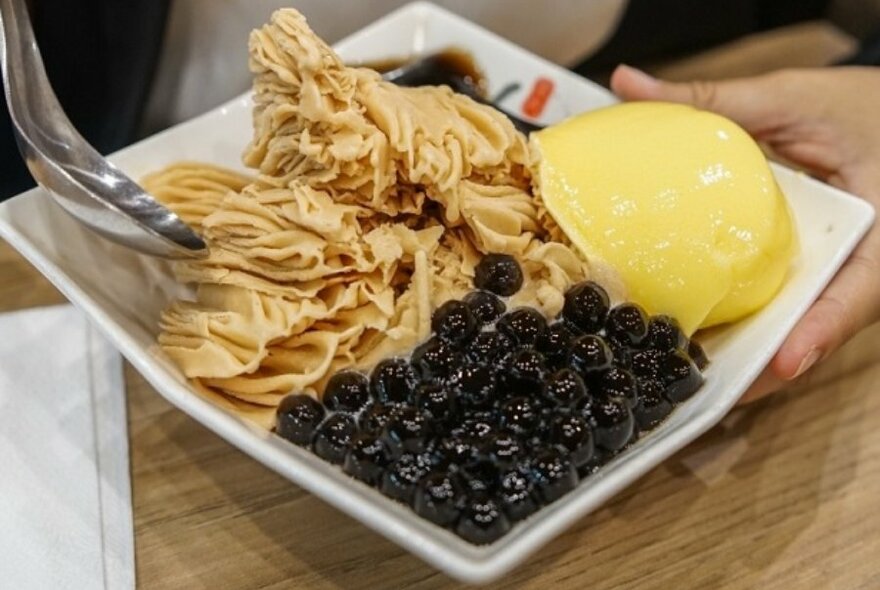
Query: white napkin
point(65, 493)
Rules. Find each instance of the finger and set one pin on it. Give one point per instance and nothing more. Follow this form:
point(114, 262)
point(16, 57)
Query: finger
point(814, 157)
point(766, 383)
point(630, 83)
point(849, 304)
point(755, 103)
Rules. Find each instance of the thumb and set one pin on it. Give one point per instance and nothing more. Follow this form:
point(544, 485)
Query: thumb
point(849, 304)
point(755, 103)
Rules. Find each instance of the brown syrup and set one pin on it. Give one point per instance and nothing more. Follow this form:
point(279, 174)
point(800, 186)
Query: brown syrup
point(452, 67)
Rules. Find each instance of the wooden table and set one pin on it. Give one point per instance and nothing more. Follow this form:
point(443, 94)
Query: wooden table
point(783, 494)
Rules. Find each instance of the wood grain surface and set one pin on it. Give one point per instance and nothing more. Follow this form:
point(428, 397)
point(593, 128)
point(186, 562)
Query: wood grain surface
point(781, 495)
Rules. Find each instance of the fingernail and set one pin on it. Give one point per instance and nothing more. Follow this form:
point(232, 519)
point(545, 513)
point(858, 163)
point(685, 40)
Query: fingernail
point(645, 80)
point(808, 361)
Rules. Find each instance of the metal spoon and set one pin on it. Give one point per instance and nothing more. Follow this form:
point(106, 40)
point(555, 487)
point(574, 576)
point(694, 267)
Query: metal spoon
point(85, 184)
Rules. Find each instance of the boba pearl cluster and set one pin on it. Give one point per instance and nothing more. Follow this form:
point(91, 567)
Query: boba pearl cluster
point(500, 412)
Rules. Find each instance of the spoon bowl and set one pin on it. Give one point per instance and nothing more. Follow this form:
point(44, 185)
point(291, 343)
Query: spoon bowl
point(83, 182)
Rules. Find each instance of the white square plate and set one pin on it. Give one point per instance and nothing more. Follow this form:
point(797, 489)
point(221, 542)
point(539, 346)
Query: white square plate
point(123, 294)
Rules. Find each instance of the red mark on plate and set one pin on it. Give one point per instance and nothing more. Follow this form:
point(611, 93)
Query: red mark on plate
point(534, 105)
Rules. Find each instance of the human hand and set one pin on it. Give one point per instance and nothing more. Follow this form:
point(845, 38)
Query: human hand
point(827, 122)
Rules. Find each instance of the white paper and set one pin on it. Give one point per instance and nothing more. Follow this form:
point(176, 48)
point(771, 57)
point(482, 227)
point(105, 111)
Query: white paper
point(65, 495)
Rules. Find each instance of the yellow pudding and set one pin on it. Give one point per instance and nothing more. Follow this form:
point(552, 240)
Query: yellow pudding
point(680, 202)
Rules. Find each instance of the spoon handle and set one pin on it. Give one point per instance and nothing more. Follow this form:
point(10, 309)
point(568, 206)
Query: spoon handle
point(35, 112)
point(86, 185)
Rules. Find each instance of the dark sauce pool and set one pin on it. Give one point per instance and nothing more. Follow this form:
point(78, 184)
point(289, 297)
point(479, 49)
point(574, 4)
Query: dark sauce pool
point(452, 67)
